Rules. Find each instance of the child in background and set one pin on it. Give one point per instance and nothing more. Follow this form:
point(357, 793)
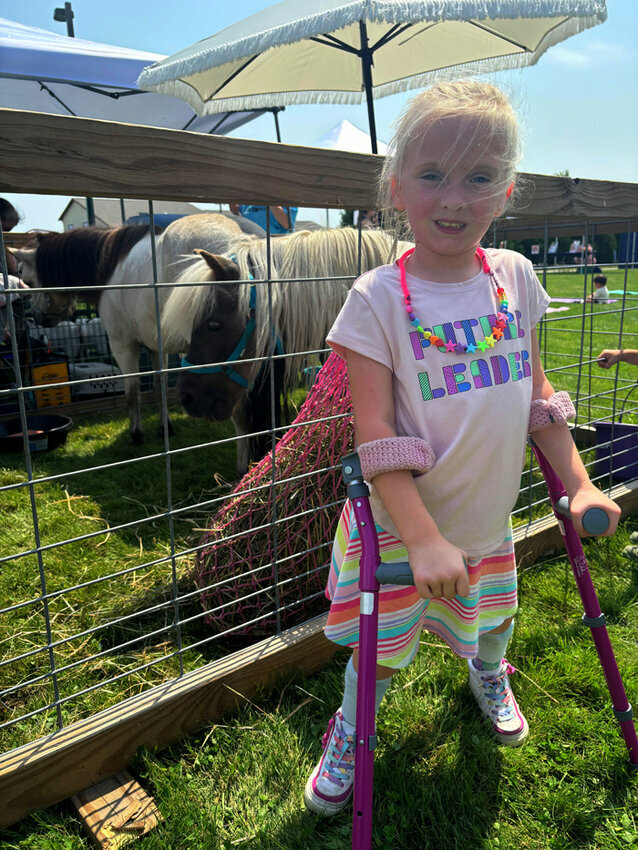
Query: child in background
point(601, 293)
point(446, 381)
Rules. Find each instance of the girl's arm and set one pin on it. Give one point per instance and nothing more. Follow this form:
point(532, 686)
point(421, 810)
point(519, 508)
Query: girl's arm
point(438, 566)
point(557, 445)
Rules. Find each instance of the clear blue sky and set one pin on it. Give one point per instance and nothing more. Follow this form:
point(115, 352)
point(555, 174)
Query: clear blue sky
point(578, 105)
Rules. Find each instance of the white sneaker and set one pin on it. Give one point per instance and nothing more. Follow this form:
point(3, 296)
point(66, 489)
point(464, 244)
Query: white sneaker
point(330, 786)
point(492, 691)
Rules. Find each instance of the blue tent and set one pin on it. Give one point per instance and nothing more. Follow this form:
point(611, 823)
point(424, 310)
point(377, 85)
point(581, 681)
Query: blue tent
point(627, 248)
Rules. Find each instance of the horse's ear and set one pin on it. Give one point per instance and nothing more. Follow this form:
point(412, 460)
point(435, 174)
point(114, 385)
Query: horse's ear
point(222, 267)
point(23, 255)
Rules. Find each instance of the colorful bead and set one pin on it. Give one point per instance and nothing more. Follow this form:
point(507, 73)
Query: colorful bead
point(502, 318)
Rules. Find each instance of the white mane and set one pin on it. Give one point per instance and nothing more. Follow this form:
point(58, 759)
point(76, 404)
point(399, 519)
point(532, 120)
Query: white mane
point(310, 273)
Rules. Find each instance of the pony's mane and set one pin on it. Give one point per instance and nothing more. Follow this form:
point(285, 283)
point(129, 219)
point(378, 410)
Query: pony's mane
point(86, 256)
point(311, 273)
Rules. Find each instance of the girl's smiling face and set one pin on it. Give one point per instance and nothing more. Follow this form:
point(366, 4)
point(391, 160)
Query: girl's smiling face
point(451, 188)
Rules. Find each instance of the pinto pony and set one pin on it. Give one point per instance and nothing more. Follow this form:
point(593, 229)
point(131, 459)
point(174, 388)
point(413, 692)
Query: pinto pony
point(113, 269)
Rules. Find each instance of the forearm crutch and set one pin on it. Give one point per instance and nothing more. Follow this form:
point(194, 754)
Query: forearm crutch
point(373, 573)
point(595, 521)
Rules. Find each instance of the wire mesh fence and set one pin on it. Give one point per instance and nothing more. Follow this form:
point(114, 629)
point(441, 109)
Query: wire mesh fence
point(125, 565)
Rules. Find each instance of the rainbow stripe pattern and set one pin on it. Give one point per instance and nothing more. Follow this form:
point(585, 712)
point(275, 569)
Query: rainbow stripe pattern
point(403, 614)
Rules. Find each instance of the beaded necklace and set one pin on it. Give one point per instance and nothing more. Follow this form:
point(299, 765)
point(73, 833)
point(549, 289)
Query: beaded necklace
point(450, 347)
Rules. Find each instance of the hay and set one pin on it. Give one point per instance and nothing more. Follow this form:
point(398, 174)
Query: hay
point(256, 576)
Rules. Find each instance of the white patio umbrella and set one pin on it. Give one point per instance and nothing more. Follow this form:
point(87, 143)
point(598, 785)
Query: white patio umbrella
point(342, 51)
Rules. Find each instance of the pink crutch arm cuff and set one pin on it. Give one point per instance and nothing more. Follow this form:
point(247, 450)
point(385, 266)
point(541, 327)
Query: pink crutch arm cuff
point(545, 412)
point(392, 453)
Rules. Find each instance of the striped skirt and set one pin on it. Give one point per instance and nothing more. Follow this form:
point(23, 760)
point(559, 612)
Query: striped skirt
point(403, 614)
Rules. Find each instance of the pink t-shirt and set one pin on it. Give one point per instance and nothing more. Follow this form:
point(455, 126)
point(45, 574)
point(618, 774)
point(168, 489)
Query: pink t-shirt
point(472, 408)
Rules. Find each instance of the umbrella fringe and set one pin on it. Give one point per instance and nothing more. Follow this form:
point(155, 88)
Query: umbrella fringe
point(581, 15)
point(177, 88)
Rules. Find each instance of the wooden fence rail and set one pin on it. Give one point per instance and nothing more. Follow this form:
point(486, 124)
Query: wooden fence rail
point(53, 154)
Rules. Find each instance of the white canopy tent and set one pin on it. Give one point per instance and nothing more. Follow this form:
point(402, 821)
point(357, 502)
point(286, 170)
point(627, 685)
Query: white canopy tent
point(43, 71)
point(344, 136)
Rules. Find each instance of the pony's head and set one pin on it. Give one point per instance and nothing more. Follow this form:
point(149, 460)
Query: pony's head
point(234, 326)
point(216, 335)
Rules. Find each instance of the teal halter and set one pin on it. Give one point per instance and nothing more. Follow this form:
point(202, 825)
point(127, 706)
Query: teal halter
point(228, 369)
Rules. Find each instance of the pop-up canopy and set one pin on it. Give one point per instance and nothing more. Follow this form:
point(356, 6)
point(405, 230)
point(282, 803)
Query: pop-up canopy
point(45, 72)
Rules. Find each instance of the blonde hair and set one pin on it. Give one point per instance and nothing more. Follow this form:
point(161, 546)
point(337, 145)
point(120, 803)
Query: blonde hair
point(480, 105)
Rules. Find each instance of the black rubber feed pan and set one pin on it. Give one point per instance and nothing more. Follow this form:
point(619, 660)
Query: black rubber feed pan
point(45, 432)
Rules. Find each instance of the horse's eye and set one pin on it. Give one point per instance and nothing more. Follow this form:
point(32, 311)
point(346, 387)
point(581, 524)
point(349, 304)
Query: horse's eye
point(214, 326)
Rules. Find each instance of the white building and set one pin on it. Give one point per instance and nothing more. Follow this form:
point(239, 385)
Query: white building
point(108, 211)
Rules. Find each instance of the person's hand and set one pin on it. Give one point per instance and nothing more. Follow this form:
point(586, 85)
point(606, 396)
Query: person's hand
point(608, 358)
point(588, 496)
point(439, 569)
point(234, 208)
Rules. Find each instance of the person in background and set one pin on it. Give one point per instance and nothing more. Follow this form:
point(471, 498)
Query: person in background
point(9, 217)
point(282, 219)
point(370, 219)
point(608, 357)
point(601, 293)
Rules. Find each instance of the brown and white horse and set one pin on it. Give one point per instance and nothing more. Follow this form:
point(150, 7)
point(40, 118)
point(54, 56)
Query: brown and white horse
point(113, 268)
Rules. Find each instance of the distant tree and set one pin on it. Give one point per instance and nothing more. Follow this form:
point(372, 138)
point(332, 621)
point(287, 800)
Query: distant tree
point(347, 218)
point(605, 245)
point(563, 173)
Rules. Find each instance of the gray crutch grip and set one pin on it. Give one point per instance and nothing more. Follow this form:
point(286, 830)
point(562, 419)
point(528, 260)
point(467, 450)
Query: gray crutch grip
point(396, 573)
point(595, 520)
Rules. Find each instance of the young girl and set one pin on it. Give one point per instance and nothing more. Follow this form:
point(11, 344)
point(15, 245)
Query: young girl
point(446, 381)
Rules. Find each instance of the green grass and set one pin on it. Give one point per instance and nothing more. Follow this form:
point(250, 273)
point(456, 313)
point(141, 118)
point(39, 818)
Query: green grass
point(566, 331)
point(82, 504)
point(441, 782)
point(239, 784)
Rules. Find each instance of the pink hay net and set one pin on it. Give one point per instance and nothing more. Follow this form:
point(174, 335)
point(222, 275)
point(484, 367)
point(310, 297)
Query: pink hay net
point(281, 533)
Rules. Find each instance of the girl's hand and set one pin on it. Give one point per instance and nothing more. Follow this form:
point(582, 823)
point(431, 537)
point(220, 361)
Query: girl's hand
point(439, 569)
point(586, 497)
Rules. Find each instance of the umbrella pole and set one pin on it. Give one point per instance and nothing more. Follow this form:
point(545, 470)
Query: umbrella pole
point(366, 63)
